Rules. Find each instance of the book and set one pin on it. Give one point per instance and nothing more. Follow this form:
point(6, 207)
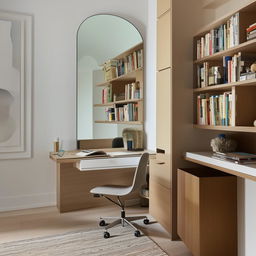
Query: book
point(91, 153)
point(237, 157)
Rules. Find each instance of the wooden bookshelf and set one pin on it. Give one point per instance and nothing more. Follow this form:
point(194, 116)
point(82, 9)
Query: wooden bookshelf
point(132, 67)
point(227, 128)
point(120, 122)
point(221, 87)
point(243, 107)
point(249, 46)
point(129, 77)
point(117, 102)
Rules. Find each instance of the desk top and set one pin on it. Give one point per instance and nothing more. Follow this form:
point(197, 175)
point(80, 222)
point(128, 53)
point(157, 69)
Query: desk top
point(71, 156)
point(247, 171)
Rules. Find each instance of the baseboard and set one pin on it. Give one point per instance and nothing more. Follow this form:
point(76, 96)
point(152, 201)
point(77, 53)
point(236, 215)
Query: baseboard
point(12, 203)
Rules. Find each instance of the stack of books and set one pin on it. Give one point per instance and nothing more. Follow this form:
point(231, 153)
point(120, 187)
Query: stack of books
point(233, 69)
point(128, 112)
point(130, 63)
point(214, 109)
point(219, 39)
point(107, 94)
point(236, 157)
point(133, 91)
point(251, 31)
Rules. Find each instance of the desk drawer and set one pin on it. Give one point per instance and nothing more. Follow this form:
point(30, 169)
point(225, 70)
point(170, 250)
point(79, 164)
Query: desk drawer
point(108, 163)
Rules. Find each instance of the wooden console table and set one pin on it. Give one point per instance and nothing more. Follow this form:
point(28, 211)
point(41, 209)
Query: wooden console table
point(74, 185)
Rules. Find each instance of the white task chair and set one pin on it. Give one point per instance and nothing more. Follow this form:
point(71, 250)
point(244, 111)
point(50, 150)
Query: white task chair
point(139, 179)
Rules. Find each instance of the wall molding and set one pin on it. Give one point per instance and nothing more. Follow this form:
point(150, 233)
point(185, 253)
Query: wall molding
point(12, 203)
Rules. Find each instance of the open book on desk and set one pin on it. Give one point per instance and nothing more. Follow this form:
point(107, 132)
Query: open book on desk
point(91, 153)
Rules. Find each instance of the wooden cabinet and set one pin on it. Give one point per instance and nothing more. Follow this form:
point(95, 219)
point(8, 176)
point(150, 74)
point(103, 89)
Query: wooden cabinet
point(163, 6)
point(164, 28)
point(162, 203)
point(159, 203)
point(163, 110)
point(207, 212)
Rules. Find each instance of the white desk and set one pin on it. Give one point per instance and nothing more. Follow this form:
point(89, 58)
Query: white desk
point(247, 171)
point(77, 175)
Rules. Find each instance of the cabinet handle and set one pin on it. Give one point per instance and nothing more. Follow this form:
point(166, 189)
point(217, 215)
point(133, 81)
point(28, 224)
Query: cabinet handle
point(160, 163)
point(160, 151)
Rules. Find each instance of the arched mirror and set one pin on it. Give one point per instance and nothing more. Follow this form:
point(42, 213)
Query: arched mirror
point(109, 77)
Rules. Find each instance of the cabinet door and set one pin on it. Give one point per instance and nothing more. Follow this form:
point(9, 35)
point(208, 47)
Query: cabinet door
point(160, 204)
point(163, 110)
point(160, 170)
point(188, 211)
point(163, 6)
point(164, 41)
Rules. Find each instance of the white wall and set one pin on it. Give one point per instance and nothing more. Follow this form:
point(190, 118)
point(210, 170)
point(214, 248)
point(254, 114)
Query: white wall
point(31, 182)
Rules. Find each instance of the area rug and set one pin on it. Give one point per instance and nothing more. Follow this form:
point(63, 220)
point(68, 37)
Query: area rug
point(122, 242)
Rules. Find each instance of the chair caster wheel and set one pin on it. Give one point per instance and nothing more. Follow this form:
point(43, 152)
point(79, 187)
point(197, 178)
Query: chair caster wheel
point(102, 223)
point(146, 221)
point(106, 235)
point(137, 233)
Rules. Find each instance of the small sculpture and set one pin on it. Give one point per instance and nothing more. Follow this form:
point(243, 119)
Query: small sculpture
point(223, 144)
point(254, 123)
point(253, 67)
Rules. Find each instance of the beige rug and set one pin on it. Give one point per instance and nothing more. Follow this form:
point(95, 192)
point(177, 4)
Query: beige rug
point(122, 242)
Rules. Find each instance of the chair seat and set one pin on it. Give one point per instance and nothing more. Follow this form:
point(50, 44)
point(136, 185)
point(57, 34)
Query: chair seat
point(113, 190)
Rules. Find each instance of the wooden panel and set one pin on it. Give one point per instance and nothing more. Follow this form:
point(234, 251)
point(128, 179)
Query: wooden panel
point(207, 213)
point(218, 216)
point(188, 211)
point(160, 204)
point(160, 170)
point(245, 106)
point(163, 6)
point(164, 41)
point(94, 144)
point(163, 110)
point(74, 186)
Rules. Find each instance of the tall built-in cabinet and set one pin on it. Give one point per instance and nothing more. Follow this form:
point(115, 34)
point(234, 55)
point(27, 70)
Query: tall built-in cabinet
point(161, 181)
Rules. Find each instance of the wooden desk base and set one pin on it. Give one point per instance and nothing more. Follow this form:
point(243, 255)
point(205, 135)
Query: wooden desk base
point(73, 186)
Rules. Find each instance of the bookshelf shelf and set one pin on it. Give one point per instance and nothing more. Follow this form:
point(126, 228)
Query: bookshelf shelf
point(117, 102)
point(251, 129)
point(251, 82)
point(128, 86)
point(129, 77)
point(249, 46)
point(120, 122)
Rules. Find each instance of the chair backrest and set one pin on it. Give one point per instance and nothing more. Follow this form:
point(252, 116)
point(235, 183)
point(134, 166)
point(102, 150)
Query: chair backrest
point(117, 142)
point(139, 178)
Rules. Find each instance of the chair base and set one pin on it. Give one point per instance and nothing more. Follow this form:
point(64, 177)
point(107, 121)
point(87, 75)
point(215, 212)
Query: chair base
point(122, 220)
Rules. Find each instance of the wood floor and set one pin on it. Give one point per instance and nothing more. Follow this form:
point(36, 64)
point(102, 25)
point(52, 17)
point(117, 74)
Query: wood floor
point(17, 225)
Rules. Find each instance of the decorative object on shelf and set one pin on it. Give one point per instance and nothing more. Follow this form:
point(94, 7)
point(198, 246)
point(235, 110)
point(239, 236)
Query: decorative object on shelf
point(254, 123)
point(133, 139)
point(253, 67)
point(223, 144)
point(56, 145)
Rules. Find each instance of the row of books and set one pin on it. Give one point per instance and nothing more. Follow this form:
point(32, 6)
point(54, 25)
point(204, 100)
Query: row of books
point(232, 69)
point(107, 94)
point(219, 39)
point(128, 112)
point(209, 75)
point(133, 91)
point(251, 32)
point(214, 109)
point(130, 63)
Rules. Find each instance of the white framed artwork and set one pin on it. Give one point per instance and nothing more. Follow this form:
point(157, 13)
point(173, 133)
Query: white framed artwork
point(15, 85)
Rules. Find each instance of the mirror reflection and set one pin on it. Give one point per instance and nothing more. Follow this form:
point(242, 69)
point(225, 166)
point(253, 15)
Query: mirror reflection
point(109, 77)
